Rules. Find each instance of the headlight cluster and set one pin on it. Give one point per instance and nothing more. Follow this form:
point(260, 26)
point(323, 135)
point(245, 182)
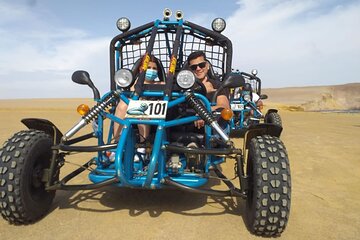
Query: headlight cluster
point(124, 78)
point(185, 79)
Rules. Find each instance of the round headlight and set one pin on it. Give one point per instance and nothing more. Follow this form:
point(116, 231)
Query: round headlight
point(247, 97)
point(185, 79)
point(218, 25)
point(123, 24)
point(123, 78)
point(254, 72)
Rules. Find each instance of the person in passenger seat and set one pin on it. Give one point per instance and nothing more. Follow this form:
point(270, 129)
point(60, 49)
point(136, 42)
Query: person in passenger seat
point(151, 77)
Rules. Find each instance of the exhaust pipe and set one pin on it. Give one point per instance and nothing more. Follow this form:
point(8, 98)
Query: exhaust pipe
point(167, 14)
point(179, 15)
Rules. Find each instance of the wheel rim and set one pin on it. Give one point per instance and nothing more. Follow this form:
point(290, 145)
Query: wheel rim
point(36, 184)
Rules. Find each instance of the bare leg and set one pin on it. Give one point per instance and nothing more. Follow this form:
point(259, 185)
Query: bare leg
point(144, 131)
point(120, 112)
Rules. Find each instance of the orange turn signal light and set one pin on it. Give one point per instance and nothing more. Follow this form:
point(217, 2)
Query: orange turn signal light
point(227, 114)
point(83, 109)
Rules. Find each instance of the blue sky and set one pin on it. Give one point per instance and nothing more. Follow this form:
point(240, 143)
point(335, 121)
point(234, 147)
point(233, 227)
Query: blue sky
point(291, 43)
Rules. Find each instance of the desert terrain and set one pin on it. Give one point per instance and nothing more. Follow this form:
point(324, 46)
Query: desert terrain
point(324, 154)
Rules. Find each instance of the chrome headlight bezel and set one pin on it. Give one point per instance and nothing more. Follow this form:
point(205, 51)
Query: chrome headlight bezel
point(247, 97)
point(185, 79)
point(124, 78)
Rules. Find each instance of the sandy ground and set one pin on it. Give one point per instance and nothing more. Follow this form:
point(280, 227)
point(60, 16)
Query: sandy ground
point(324, 156)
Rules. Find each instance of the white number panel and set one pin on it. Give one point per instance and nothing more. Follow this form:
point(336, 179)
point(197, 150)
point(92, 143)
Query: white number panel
point(237, 106)
point(146, 109)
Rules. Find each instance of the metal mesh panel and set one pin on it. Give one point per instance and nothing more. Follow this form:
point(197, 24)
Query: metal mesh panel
point(133, 49)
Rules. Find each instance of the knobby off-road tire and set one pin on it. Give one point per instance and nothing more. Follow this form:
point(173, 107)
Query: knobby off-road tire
point(268, 202)
point(23, 198)
point(274, 118)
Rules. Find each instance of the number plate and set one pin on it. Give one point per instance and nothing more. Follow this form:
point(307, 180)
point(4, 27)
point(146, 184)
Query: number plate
point(146, 109)
point(237, 106)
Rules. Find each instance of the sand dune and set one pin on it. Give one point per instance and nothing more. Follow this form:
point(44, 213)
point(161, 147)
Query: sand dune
point(336, 97)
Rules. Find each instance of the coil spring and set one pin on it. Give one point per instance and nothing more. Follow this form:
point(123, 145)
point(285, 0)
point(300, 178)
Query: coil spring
point(101, 106)
point(199, 108)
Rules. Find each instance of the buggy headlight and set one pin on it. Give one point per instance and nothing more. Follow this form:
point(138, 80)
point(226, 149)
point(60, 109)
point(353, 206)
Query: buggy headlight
point(218, 25)
point(123, 24)
point(254, 72)
point(185, 79)
point(247, 97)
point(123, 78)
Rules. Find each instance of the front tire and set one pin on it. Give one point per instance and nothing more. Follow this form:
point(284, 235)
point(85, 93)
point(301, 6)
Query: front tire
point(23, 158)
point(269, 194)
point(274, 118)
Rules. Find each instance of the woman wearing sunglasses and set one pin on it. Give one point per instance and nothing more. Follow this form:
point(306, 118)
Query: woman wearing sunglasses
point(199, 65)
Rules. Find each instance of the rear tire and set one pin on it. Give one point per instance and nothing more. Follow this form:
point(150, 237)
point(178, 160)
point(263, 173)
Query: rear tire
point(274, 118)
point(23, 158)
point(269, 194)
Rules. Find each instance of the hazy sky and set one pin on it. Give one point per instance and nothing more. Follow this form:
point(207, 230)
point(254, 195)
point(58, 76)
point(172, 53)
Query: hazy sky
point(290, 42)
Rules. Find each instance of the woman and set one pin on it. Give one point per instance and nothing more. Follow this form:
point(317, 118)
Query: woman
point(151, 75)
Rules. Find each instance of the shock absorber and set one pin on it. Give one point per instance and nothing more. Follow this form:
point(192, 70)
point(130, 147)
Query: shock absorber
point(92, 114)
point(209, 119)
point(199, 108)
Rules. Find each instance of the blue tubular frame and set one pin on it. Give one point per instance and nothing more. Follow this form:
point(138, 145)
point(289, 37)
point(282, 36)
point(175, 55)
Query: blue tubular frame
point(242, 113)
point(123, 167)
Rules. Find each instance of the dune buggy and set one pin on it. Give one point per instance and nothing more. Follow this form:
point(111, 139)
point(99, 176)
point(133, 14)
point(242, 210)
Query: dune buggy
point(31, 160)
point(246, 103)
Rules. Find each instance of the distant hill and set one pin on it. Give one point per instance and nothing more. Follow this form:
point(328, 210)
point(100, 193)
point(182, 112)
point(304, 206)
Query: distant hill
point(317, 98)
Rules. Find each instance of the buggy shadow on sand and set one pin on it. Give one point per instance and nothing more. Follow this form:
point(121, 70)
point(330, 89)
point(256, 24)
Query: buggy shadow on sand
point(32, 159)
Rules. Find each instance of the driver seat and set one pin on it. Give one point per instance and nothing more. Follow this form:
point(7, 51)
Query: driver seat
point(187, 133)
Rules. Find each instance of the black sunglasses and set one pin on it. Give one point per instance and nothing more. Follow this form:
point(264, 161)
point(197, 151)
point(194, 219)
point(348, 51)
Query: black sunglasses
point(194, 66)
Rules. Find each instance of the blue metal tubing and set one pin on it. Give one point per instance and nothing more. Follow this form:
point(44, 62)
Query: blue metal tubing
point(154, 156)
point(119, 155)
point(124, 159)
point(171, 104)
point(124, 171)
point(189, 179)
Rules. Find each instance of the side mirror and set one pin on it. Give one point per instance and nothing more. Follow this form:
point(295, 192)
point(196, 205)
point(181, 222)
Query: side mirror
point(232, 80)
point(83, 77)
point(263, 96)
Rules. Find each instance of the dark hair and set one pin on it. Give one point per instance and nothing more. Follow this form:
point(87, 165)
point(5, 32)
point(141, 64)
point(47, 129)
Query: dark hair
point(194, 55)
point(160, 68)
point(152, 59)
